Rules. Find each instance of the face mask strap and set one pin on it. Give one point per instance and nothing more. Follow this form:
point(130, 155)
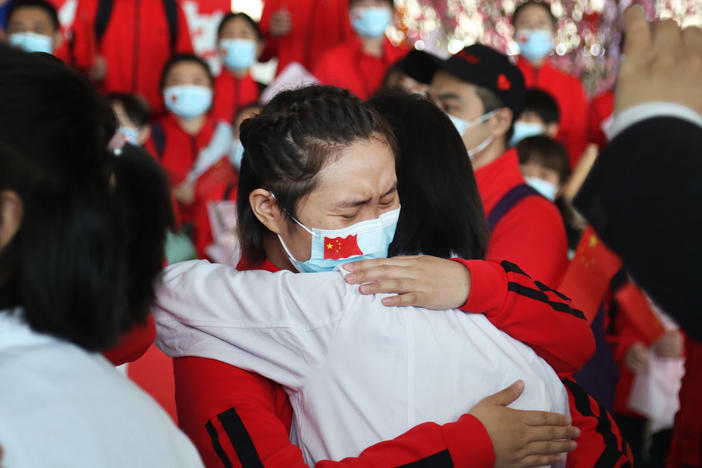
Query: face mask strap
point(291, 216)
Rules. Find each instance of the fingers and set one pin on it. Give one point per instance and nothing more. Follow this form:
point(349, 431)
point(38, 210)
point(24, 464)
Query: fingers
point(544, 418)
point(402, 300)
point(637, 30)
point(666, 38)
point(387, 286)
point(366, 271)
point(692, 38)
point(540, 460)
point(552, 433)
point(506, 396)
point(552, 447)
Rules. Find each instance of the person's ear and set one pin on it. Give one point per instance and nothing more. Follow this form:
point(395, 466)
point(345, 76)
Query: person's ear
point(11, 212)
point(57, 40)
point(501, 122)
point(551, 130)
point(143, 135)
point(265, 208)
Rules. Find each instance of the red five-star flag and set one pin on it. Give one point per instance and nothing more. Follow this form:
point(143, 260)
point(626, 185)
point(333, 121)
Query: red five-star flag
point(588, 276)
point(338, 247)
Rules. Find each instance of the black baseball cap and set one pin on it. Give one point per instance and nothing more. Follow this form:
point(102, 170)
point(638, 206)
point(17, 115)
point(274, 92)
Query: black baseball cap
point(484, 66)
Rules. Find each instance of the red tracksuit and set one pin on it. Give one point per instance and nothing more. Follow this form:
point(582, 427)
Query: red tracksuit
point(133, 344)
point(572, 101)
point(179, 153)
point(686, 446)
point(237, 418)
point(231, 94)
point(317, 26)
point(136, 45)
point(601, 109)
point(217, 184)
point(347, 66)
point(531, 234)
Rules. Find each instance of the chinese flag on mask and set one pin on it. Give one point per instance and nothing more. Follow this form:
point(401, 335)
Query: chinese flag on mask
point(338, 247)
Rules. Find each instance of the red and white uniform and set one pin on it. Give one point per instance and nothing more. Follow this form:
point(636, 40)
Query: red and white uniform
point(531, 234)
point(348, 66)
point(572, 102)
point(231, 94)
point(317, 26)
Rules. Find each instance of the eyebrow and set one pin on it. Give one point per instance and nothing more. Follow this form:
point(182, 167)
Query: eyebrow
point(449, 96)
point(355, 203)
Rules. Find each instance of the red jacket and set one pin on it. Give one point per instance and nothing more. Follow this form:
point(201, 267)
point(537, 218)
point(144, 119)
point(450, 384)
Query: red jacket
point(347, 66)
point(317, 26)
point(601, 109)
point(136, 45)
point(231, 94)
point(531, 234)
point(686, 446)
point(239, 418)
point(218, 183)
point(133, 344)
point(572, 101)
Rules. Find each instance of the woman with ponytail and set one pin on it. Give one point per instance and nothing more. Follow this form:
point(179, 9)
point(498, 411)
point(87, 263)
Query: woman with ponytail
point(318, 176)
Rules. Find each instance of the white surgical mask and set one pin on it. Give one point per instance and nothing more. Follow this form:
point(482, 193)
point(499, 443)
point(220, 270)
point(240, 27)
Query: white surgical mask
point(32, 42)
point(524, 130)
point(545, 188)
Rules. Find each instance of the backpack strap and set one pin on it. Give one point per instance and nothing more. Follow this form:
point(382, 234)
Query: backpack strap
point(158, 135)
point(507, 202)
point(102, 19)
point(171, 8)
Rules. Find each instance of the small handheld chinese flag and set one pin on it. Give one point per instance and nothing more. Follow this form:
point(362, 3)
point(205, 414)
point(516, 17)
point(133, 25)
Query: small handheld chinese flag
point(588, 276)
point(338, 247)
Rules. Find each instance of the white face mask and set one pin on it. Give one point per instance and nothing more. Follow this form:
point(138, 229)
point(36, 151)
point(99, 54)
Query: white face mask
point(463, 125)
point(545, 188)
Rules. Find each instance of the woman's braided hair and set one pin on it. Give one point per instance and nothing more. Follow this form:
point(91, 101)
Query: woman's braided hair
point(286, 146)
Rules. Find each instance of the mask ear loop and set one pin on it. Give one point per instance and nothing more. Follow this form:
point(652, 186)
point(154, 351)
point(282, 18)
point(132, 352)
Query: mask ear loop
point(291, 216)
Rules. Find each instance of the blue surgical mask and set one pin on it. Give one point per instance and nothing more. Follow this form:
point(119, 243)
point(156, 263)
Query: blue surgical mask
point(463, 125)
point(131, 134)
point(32, 42)
point(237, 154)
point(334, 247)
point(535, 44)
point(188, 101)
point(545, 188)
point(524, 130)
point(371, 21)
point(239, 55)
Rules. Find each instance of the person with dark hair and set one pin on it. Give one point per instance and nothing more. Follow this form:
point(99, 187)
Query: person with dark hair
point(535, 26)
point(409, 74)
point(33, 26)
point(81, 244)
point(132, 117)
point(123, 45)
point(303, 30)
point(544, 164)
point(240, 44)
point(360, 63)
point(210, 391)
point(483, 93)
point(540, 117)
point(188, 141)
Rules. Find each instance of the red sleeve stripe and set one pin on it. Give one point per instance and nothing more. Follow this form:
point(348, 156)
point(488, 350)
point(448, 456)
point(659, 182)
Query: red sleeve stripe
point(543, 297)
point(614, 453)
point(545, 288)
point(217, 446)
point(438, 460)
point(240, 439)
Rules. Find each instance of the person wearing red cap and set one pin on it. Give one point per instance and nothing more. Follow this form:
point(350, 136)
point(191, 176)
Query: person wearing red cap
point(484, 94)
point(361, 63)
point(534, 32)
point(303, 30)
point(124, 45)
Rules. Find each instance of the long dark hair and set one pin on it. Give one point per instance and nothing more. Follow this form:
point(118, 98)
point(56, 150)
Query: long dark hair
point(294, 137)
point(442, 214)
point(81, 248)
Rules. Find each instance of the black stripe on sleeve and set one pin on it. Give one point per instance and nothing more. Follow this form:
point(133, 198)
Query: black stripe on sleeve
point(510, 267)
point(541, 296)
point(216, 445)
point(545, 288)
point(438, 460)
point(612, 452)
point(240, 439)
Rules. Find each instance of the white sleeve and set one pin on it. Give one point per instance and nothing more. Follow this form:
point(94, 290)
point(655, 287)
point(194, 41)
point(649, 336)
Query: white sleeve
point(278, 325)
point(636, 114)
